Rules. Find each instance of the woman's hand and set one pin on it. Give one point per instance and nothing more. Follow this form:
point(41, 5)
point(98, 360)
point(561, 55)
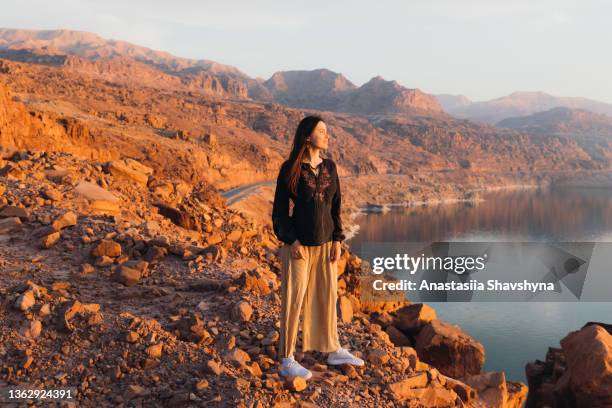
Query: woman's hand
point(297, 250)
point(335, 251)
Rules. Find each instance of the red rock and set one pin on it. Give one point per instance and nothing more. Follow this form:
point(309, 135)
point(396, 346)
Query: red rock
point(216, 253)
point(69, 219)
point(449, 349)
point(34, 328)
point(108, 248)
point(191, 328)
point(66, 313)
point(129, 170)
point(378, 357)
point(431, 397)
point(296, 384)
point(9, 225)
point(94, 192)
point(237, 357)
point(127, 276)
point(201, 385)
point(104, 207)
point(155, 254)
point(412, 318)
point(50, 240)
point(258, 280)
point(178, 217)
point(51, 194)
point(517, 394)
point(588, 353)
point(242, 311)
point(234, 235)
point(86, 269)
point(155, 351)
point(255, 369)
point(212, 367)
point(214, 238)
point(397, 337)
point(104, 261)
point(491, 387)
point(464, 391)
point(401, 389)
point(11, 211)
point(132, 337)
point(140, 266)
point(25, 301)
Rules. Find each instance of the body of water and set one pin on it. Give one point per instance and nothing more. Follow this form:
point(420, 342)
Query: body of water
point(512, 333)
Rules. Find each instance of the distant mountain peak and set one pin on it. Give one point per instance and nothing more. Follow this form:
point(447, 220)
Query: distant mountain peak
point(519, 103)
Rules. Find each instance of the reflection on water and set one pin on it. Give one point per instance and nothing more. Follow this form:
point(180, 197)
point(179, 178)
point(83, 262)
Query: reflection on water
point(571, 214)
point(512, 333)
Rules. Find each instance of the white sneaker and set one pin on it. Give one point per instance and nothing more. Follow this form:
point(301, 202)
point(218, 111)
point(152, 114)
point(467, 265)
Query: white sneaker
point(343, 356)
point(291, 368)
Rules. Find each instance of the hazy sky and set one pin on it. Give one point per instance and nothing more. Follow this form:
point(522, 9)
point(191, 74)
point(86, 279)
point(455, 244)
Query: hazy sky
point(480, 48)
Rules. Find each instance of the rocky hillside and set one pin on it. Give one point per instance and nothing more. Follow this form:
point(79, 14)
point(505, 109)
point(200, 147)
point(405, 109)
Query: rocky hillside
point(593, 132)
point(87, 52)
point(120, 61)
point(194, 118)
point(516, 104)
point(232, 142)
point(138, 290)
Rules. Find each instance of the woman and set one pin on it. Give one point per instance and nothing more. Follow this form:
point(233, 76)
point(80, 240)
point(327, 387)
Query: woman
point(311, 237)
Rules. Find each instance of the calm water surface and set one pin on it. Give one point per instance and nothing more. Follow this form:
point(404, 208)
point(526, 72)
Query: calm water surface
point(512, 333)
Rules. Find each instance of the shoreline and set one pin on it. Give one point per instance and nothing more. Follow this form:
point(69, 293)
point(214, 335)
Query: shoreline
point(353, 228)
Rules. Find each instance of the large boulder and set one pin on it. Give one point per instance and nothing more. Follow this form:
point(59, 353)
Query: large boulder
point(101, 201)
point(449, 349)
point(178, 217)
point(494, 391)
point(588, 353)
point(129, 170)
point(412, 318)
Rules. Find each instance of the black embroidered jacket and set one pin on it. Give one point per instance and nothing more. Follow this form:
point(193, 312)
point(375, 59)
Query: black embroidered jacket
point(316, 212)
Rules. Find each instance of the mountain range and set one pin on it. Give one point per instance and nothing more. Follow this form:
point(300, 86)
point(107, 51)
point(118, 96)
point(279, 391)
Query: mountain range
point(119, 60)
point(320, 89)
point(516, 104)
point(198, 119)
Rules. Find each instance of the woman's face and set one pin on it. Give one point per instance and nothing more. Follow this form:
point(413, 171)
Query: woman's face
point(319, 138)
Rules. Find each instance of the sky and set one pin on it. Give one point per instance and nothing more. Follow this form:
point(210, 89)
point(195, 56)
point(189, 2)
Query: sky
point(483, 49)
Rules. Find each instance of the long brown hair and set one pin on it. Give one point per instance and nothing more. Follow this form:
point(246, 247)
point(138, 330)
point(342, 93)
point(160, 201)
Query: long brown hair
point(302, 133)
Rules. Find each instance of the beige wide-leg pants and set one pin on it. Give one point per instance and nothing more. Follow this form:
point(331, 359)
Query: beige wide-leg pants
point(309, 285)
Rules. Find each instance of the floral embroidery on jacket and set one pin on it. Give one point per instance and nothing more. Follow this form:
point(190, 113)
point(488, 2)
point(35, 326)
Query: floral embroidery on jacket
point(310, 180)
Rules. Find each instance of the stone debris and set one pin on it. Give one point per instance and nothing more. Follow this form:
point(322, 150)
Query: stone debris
point(108, 248)
point(580, 371)
point(68, 219)
point(147, 305)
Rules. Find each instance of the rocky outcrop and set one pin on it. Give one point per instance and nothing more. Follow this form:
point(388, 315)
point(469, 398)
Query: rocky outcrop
point(494, 391)
point(23, 129)
point(323, 89)
point(174, 316)
point(449, 349)
point(379, 96)
point(319, 89)
point(579, 374)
